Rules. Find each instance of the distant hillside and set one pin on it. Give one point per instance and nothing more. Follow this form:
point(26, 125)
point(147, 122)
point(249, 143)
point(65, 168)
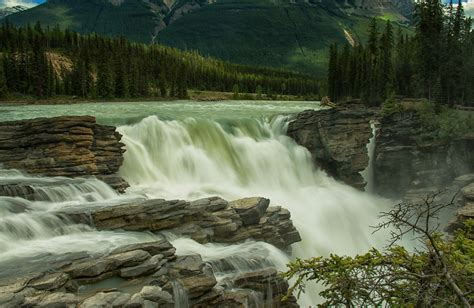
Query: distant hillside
point(292, 34)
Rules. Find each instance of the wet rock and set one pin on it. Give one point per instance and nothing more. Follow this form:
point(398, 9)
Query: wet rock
point(70, 146)
point(157, 295)
point(106, 299)
point(205, 220)
point(147, 267)
point(58, 300)
point(337, 139)
point(193, 275)
point(165, 281)
point(90, 268)
point(129, 258)
point(250, 209)
point(52, 281)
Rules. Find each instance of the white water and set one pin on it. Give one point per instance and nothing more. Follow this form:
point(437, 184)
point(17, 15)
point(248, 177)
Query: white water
point(190, 158)
point(29, 228)
point(196, 158)
point(368, 173)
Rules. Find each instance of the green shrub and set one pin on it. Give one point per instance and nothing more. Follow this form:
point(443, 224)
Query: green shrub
point(391, 106)
point(444, 122)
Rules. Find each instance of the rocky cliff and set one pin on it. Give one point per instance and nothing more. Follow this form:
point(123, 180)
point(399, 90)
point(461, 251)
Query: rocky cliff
point(69, 146)
point(337, 139)
point(405, 162)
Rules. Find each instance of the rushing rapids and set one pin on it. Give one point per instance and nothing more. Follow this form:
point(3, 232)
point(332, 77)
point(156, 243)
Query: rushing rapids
point(189, 158)
point(195, 158)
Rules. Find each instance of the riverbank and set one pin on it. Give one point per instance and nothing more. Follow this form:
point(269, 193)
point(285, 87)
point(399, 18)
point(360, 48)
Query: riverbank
point(193, 95)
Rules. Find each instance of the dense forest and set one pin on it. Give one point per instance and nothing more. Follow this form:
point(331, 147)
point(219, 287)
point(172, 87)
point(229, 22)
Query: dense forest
point(49, 62)
point(436, 63)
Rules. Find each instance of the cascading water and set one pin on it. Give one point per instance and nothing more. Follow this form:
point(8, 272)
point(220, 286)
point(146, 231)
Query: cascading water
point(196, 158)
point(246, 155)
point(29, 228)
point(368, 173)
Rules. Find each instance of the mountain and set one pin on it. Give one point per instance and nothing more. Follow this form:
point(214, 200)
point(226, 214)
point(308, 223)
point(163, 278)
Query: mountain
point(4, 12)
point(292, 34)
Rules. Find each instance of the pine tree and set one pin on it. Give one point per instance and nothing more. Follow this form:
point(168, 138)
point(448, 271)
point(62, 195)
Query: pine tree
point(3, 82)
point(333, 73)
point(429, 32)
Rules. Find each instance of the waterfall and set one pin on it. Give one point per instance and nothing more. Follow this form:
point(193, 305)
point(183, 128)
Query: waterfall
point(32, 228)
point(196, 158)
point(190, 158)
point(368, 173)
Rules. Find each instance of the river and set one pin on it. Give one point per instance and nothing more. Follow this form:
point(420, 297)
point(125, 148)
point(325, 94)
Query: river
point(189, 150)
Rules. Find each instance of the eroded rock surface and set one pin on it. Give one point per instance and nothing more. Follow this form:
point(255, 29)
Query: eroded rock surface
point(70, 146)
point(205, 220)
point(337, 139)
point(166, 280)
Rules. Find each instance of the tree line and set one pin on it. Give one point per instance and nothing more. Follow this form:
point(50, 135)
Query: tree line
point(48, 62)
point(435, 63)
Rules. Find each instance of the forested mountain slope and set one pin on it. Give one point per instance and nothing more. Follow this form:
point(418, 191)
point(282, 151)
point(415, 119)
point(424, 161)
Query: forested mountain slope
point(285, 33)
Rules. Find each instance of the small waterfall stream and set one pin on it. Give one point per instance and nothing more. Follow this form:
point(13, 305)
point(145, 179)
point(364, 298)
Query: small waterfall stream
point(368, 173)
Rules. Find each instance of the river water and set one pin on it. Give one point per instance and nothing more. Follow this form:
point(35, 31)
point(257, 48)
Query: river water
point(190, 150)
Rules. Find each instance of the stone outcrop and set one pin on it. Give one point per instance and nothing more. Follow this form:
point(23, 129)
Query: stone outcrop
point(206, 220)
point(140, 275)
point(405, 162)
point(71, 146)
point(337, 139)
point(466, 203)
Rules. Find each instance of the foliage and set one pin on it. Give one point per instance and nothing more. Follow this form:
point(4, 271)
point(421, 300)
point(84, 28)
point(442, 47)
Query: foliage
point(44, 62)
point(439, 273)
point(443, 122)
point(435, 63)
point(391, 106)
point(3, 82)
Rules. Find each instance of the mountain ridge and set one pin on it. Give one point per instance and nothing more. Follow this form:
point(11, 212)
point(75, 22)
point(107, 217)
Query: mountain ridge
point(291, 34)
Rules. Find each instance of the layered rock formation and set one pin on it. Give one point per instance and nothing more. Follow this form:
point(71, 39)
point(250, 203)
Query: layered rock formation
point(139, 275)
point(150, 274)
point(71, 146)
point(337, 139)
point(405, 162)
point(206, 220)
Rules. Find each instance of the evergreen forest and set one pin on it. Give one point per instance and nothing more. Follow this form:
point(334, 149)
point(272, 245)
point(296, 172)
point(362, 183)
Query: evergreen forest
point(435, 63)
point(44, 62)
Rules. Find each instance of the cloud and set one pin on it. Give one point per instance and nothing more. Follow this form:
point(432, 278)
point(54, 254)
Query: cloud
point(26, 3)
